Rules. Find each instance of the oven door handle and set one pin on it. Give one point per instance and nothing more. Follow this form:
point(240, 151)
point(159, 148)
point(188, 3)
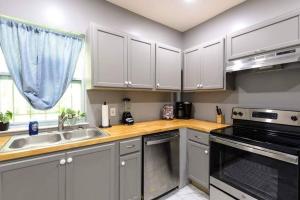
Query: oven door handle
point(257, 150)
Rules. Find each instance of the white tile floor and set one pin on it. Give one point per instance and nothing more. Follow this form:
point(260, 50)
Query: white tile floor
point(189, 192)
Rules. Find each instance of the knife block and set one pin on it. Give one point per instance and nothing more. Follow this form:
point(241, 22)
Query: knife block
point(220, 119)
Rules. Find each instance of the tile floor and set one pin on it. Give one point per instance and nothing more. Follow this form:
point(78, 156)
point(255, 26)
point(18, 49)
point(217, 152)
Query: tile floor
point(189, 192)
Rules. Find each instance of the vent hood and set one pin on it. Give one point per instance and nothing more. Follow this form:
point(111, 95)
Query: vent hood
point(268, 59)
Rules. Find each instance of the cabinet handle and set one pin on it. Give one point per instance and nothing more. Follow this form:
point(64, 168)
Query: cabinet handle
point(130, 146)
point(130, 83)
point(157, 85)
point(123, 163)
point(126, 82)
point(69, 160)
point(62, 161)
point(201, 86)
point(198, 85)
point(206, 151)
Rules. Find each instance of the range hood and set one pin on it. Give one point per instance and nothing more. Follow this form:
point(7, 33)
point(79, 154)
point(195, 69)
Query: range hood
point(265, 60)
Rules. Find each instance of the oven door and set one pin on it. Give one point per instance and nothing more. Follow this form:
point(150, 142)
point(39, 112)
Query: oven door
point(260, 173)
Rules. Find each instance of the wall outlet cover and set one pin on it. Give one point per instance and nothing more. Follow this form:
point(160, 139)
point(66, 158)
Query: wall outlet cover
point(112, 112)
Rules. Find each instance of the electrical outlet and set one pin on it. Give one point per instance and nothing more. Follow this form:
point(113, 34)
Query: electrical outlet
point(112, 112)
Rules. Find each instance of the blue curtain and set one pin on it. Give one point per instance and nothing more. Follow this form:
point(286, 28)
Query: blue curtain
point(41, 62)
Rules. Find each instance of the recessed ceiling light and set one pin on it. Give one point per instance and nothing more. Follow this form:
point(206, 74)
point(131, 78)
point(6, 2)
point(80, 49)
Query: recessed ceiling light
point(189, 1)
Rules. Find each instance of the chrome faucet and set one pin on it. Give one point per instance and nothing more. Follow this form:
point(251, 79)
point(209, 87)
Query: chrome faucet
point(61, 121)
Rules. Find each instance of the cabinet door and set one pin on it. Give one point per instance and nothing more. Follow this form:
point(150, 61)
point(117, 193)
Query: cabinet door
point(141, 62)
point(212, 65)
point(91, 173)
point(198, 163)
point(168, 67)
point(276, 33)
point(191, 73)
point(130, 177)
point(109, 58)
point(33, 179)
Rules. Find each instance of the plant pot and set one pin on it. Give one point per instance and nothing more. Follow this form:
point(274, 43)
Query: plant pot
point(72, 121)
point(4, 127)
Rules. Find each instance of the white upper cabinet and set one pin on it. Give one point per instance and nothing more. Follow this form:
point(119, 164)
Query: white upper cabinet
point(191, 73)
point(204, 66)
point(141, 63)
point(212, 65)
point(168, 67)
point(109, 57)
point(280, 32)
point(119, 60)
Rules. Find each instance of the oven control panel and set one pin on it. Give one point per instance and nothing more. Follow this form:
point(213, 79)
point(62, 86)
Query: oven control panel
point(267, 115)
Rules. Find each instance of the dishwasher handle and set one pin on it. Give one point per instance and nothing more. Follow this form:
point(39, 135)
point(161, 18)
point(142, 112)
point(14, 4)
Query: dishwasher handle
point(164, 140)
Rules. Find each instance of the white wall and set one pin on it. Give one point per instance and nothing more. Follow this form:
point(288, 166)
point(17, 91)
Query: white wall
point(75, 15)
point(279, 89)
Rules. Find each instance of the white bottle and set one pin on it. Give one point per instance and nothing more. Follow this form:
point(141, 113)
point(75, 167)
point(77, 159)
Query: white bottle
point(105, 117)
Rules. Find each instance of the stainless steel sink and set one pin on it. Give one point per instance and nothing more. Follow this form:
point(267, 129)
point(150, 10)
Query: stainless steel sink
point(32, 141)
point(21, 142)
point(82, 134)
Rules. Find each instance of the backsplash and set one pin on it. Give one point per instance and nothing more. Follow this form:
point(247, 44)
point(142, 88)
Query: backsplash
point(144, 106)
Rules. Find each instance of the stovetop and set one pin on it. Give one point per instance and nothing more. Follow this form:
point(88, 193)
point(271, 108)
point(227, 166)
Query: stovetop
point(273, 129)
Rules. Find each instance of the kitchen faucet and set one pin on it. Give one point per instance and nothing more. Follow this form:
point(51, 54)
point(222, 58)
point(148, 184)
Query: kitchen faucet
point(61, 121)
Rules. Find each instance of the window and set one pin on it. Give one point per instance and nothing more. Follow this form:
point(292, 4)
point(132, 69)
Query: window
point(11, 99)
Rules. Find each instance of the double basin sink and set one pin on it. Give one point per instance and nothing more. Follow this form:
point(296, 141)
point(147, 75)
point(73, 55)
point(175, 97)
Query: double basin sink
point(21, 142)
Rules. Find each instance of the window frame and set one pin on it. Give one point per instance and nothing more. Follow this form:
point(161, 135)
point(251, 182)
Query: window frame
point(7, 76)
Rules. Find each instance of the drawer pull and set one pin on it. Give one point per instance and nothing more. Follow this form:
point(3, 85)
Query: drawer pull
point(130, 146)
point(198, 137)
point(206, 151)
point(123, 163)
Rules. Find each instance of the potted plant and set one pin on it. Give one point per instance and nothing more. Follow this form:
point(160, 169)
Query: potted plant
point(71, 115)
point(4, 120)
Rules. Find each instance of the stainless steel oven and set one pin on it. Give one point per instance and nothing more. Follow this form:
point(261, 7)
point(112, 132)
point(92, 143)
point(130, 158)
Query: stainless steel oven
point(255, 160)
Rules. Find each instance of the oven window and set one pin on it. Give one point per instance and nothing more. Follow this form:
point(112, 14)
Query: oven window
point(259, 176)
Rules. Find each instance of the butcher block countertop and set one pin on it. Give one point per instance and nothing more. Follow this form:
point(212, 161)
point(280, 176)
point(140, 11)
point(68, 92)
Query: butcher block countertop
point(117, 132)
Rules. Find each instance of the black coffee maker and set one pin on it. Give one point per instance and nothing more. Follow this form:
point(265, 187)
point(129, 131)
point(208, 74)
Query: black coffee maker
point(183, 110)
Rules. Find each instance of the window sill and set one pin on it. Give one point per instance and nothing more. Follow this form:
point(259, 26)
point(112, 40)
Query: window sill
point(15, 130)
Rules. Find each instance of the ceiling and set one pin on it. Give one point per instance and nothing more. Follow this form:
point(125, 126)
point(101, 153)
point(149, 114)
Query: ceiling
point(178, 14)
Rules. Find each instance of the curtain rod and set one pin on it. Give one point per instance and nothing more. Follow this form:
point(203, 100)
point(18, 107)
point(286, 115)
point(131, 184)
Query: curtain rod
point(59, 31)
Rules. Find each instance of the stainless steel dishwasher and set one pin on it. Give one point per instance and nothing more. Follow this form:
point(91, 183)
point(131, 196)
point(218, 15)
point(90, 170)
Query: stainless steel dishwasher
point(161, 164)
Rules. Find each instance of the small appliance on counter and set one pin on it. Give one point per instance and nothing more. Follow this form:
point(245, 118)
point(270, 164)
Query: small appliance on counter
point(105, 117)
point(168, 111)
point(126, 116)
point(183, 110)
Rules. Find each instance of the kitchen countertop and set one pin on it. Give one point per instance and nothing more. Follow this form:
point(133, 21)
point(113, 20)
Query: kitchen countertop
point(117, 132)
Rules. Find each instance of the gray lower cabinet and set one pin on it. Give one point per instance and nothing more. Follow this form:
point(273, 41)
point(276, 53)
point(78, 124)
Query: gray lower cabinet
point(108, 50)
point(168, 67)
point(83, 174)
point(130, 177)
point(41, 178)
point(91, 173)
point(280, 32)
point(141, 63)
point(198, 163)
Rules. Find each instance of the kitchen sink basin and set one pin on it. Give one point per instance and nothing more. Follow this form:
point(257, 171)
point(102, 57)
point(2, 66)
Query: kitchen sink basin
point(21, 142)
point(34, 141)
point(82, 134)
